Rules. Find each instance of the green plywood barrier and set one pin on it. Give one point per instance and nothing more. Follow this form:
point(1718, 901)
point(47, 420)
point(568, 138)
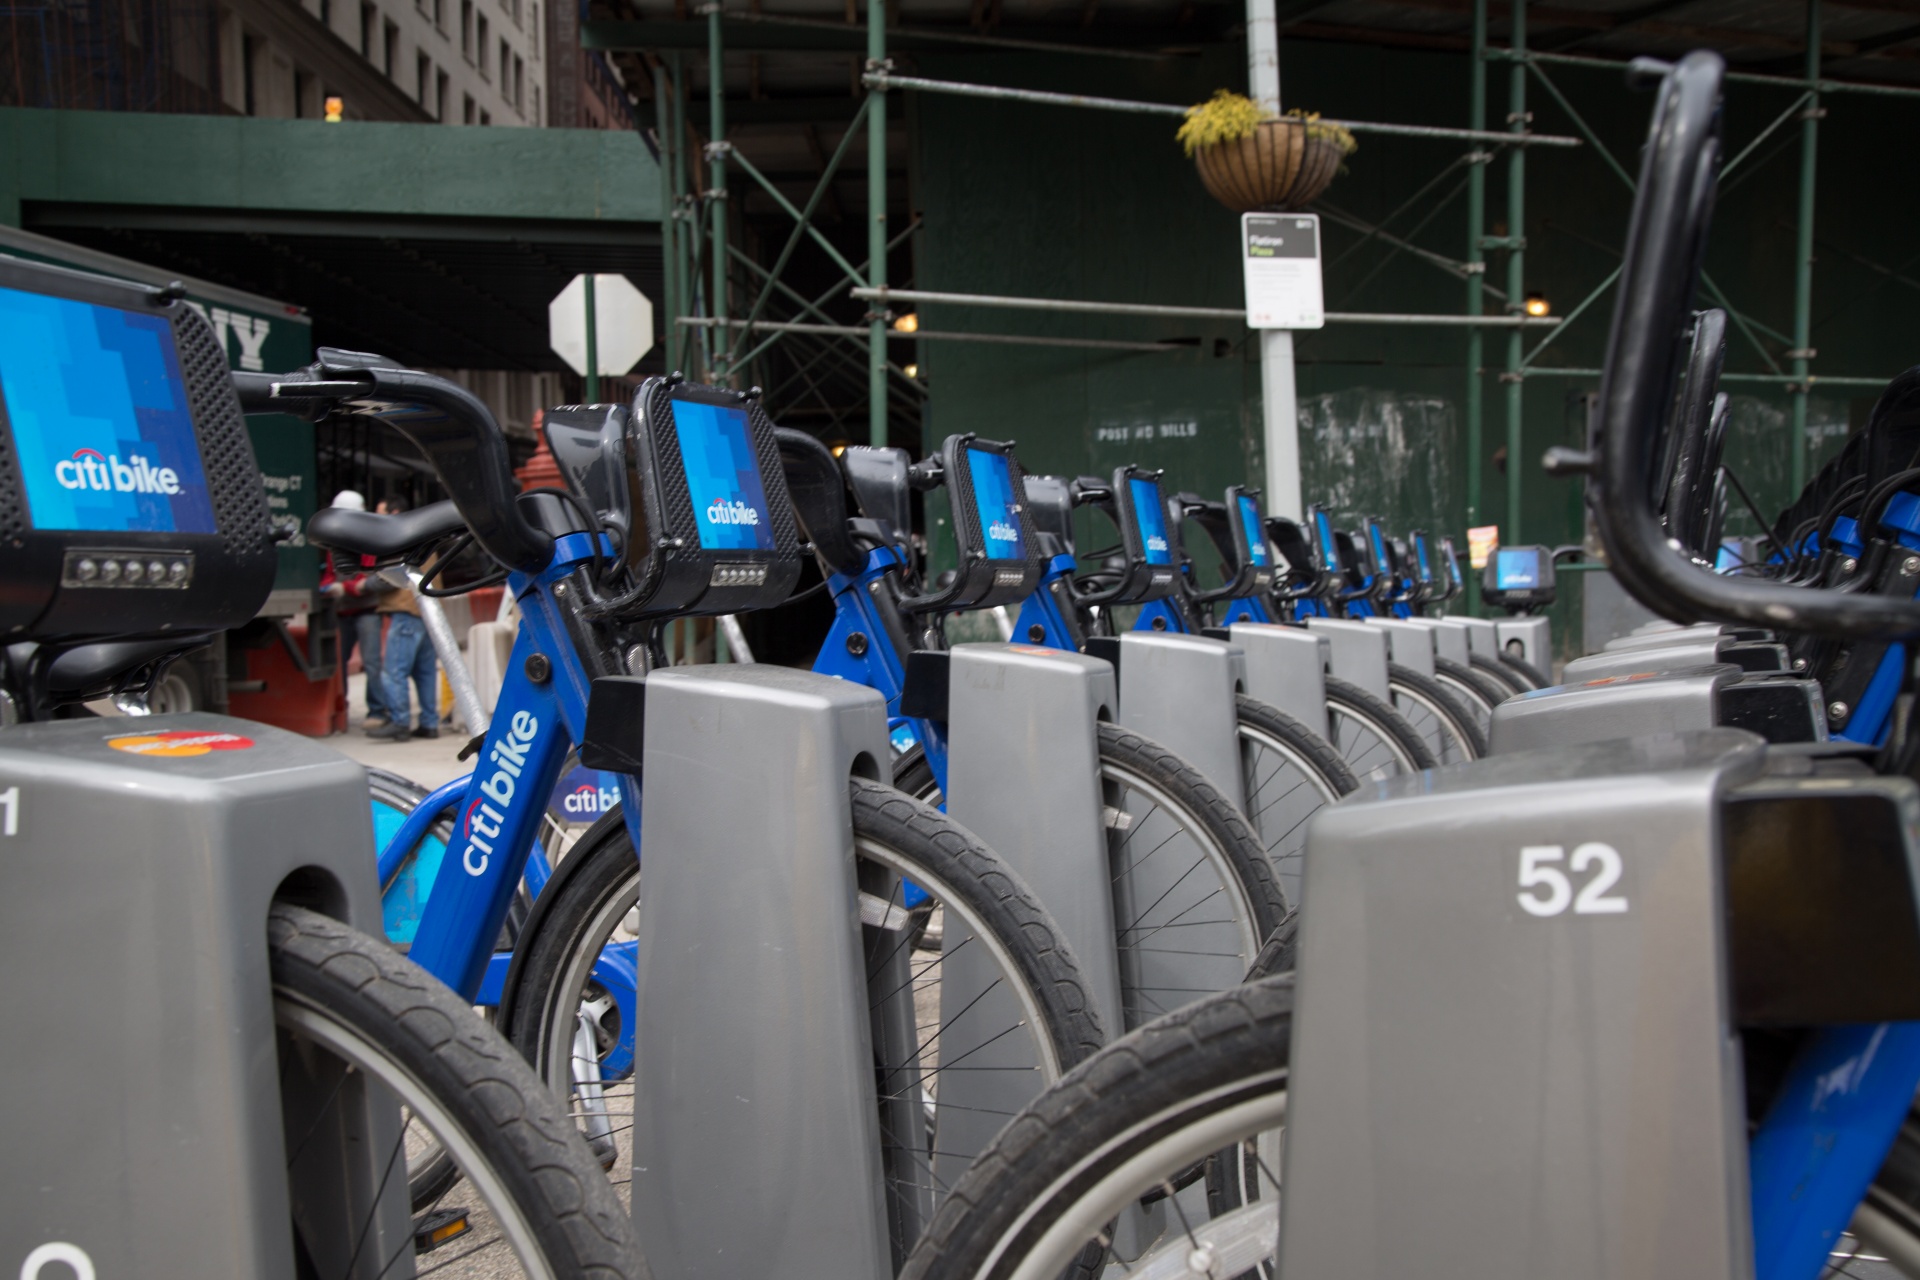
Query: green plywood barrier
point(359, 168)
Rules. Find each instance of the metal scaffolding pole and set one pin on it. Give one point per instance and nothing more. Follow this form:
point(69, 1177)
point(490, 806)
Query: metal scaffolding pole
point(664, 125)
point(1802, 354)
point(1477, 262)
point(1516, 268)
point(877, 225)
point(717, 168)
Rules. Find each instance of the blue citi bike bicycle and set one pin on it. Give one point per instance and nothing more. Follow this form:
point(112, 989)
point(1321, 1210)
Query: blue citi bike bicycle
point(673, 508)
point(288, 1064)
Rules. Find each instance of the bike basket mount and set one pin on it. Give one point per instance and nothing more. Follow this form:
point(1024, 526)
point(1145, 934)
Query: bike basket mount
point(998, 550)
point(1149, 542)
point(130, 501)
point(713, 526)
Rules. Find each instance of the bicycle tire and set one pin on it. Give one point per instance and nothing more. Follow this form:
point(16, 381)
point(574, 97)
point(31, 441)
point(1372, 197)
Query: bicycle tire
point(1527, 672)
point(1279, 807)
point(1478, 692)
point(1461, 739)
point(1239, 859)
point(1405, 750)
point(340, 993)
point(430, 1174)
point(1498, 671)
point(1233, 846)
point(599, 882)
point(1152, 1105)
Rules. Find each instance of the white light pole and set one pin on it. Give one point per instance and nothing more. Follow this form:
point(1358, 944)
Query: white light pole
point(1280, 416)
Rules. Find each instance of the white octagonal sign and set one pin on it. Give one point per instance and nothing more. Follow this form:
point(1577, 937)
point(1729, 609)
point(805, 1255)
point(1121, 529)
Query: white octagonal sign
point(623, 324)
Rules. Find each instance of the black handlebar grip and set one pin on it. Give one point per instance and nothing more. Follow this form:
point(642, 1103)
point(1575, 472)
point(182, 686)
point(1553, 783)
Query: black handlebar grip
point(446, 422)
point(1666, 234)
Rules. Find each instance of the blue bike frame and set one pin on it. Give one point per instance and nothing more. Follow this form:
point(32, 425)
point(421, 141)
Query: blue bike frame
point(498, 809)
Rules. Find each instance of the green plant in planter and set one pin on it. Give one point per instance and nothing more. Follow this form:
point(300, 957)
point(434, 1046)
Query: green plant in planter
point(1230, 116)
point(1225, 117)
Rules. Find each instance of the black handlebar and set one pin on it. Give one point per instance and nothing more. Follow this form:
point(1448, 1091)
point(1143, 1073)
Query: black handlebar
point(1665, 237)
point(448, 423)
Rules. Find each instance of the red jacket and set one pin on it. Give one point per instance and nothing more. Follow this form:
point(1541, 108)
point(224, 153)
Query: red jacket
point(359, 591)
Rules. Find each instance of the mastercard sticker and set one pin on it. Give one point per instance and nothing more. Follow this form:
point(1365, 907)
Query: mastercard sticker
point(179, 742)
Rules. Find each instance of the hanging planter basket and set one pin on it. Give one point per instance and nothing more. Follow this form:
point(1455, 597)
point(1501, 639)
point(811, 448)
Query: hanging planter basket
point(1280, 163)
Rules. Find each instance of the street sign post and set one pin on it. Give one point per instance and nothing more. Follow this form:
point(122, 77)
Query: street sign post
point(600, 325)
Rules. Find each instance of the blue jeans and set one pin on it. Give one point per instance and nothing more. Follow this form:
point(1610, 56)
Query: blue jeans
point(363, 629)
point(410, 656)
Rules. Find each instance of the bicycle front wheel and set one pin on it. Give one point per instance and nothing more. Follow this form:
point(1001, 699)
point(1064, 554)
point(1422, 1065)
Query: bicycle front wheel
point(1291, 773)
point(1442, 723)
point(1375, 740)
point(964, 963)
point(1475, 691)
point(360, 1027)
point(1162, 1154)
point(1194, 895)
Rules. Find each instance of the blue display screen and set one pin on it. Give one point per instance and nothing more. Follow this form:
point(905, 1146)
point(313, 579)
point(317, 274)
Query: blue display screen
point(1420, 565)
point(994, 502)
point(98, 411)
point(1379, 548)
point(723, 476)
point(1516, 568)
point(1152, 519)
point(1329, 554)
point(1256, 531)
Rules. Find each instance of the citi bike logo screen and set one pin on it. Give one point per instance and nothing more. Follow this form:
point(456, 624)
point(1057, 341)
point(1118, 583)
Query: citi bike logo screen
point(1152, 519)
point(723, 476)
point(995, 504)
point(1256, 533)
point(98, 410)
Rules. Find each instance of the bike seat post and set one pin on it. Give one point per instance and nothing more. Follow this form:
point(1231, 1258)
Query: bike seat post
point(143, 856)
point(753, 1028)
point(1023, 774)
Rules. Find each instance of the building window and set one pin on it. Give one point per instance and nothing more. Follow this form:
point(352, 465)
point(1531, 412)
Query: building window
point(368, 18)
point(480, 45)
point(536, 104)
point(440, 15)
point(302, 90)
point(485, 118)
point(249, 55)
point(440, 97)
point(536, 31)
point(466, 29)
point(423, 77)
point(466, 108)
point(506, 67)
point(519, 85)
point(389, 48)
point(326, 14)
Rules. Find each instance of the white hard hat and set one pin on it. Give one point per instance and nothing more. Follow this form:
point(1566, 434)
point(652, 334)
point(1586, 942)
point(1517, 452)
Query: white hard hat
point(349, 500)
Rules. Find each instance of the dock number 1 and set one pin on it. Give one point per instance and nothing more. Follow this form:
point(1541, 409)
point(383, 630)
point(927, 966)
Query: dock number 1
point(10, 812)
point(1546, 890)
